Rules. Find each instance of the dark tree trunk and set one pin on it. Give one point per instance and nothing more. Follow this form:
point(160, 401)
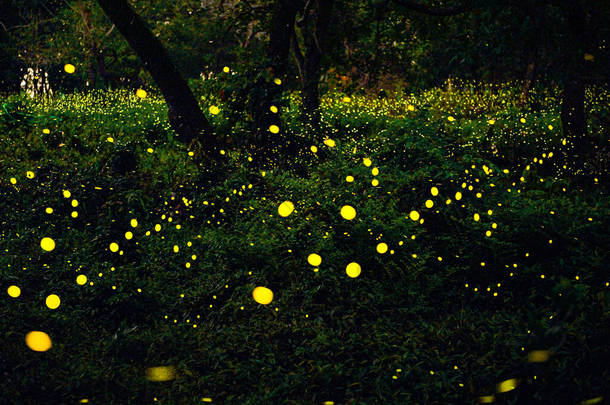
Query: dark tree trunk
point(282, 27)
point(185, 116)
point(315, 41)
point(573, 119)
point(528, 78)
point(573, 115)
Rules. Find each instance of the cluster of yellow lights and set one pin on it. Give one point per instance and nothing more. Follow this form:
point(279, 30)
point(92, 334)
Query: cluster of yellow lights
point(40, 341)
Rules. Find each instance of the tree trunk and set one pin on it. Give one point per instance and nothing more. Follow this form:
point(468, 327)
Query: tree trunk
point(573, 115)
point(573, 109)
point(315, 42)
point(528, 78)
point(282, 27)
point(185, 116)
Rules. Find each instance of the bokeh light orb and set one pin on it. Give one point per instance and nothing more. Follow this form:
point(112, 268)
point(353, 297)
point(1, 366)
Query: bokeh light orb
point(161, 373)
point(348, 212)
point(47, 244)
point(13, 291)
point(38, 341)
point(353, 269)
point(69, 68)
point(53, 301)
point(262, 295)
point(285, 208)
point(314, 259)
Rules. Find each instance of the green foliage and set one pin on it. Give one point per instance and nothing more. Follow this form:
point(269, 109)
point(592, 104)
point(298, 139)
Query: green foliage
point(332, 338)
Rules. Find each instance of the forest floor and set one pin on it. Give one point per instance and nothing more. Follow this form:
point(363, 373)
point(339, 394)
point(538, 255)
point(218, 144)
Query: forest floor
point(481, 257)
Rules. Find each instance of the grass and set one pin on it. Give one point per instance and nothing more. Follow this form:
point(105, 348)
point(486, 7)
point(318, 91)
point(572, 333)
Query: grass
point(425, 322)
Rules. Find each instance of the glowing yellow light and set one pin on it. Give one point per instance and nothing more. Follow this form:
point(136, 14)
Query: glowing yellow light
point(53, 301)
point(346, 99)
point(538, 356)
point(150, 150)
point(488, 399)
point(429, 203)
point(74, 214)
point(458, 196)
point(522, 120)
point(133, 223)
point(491, 122)
point(262, 295)
point(476, 217)
point(348, 212)
point(330, 143)
point(550, 127)
point(46, 131)
point(141, 93)
point(176, 249)
point(592, 401)
point(375, 182)
point(367, 162)
point(69, 68)
point(38, 341)
point(450, 118)
point(157, 227)
point(314, 259)
point(13, 291)
point(285, 208)
point(13, 180)
point(382, 248)
point(206, 399)
point(375, 171)
point(128, 235)
point(434, 191)
point(161, 373)
point(274, 129)
point(314, 148)
point(277, 81)
point(273, 109)
point(353, 270)
point(114, 247)
point(81, 279)
point(226, 69)
point(414, 215)
point(214, 110)
point(29, 174)
point(110, 139)
point(47, 244)
point(349, 179)
point(507, 385)
point(410, 107)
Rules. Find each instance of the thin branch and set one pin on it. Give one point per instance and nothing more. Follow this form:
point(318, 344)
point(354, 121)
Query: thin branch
point(303, 20)
point(110, 30)
point(298, 56)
